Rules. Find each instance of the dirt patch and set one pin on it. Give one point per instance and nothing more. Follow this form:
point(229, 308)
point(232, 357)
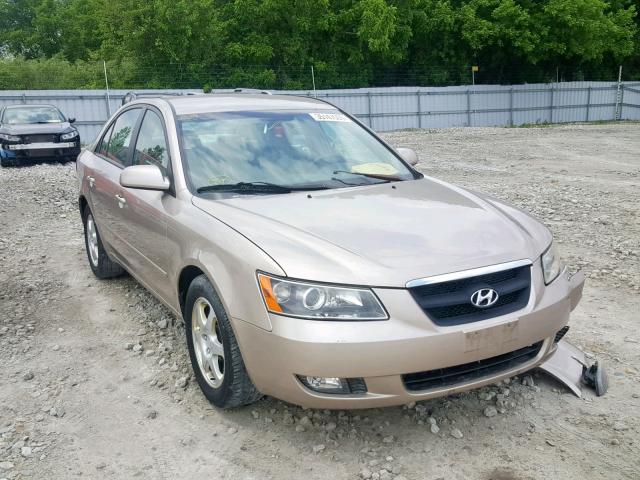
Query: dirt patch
point(94, 378)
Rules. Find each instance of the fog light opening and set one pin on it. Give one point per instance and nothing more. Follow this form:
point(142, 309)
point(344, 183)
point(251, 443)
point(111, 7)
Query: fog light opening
point(334, 385)
point(322, 383)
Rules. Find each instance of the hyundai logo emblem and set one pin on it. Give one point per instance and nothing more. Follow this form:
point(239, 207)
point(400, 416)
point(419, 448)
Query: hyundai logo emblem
point(483, 298)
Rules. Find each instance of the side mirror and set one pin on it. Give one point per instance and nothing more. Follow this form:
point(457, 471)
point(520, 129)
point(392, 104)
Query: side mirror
point(408, 155)
point(144, 177)
point(71, 119)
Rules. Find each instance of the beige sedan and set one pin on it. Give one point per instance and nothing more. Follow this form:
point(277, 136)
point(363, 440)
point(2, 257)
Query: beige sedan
point(309, 260)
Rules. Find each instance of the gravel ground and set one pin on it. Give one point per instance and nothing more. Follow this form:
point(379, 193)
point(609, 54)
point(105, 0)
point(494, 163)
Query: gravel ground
point(94, 379)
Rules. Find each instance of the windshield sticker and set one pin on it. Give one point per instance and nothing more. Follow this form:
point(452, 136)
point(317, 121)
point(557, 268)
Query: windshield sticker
point(330, 117)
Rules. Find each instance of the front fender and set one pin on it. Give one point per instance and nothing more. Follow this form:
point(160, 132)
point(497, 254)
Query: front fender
point(230, 262)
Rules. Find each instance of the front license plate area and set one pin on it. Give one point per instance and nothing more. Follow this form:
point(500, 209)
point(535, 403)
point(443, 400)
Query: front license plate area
point(39, 146)
point(500, 338)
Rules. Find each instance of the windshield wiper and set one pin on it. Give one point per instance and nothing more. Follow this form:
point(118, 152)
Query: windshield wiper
point(380, 176)
point(256, 187)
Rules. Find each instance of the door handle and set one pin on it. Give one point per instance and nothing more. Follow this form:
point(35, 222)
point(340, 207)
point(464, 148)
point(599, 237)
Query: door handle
point(121, 200)
point(91, 181)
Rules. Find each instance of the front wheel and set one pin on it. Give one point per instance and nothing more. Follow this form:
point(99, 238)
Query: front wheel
point(100, 263)
point(213, 349)
point(7, 162)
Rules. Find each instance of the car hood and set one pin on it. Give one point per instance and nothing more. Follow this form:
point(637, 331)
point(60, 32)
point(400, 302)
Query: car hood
point(31, 128)
point(382, 235)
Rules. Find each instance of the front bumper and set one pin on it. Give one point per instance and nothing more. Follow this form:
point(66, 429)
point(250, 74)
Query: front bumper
point(38, 152)
point(382, 352)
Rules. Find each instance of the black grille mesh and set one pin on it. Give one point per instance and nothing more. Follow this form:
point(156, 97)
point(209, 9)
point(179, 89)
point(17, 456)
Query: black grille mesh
point(449, 303)
point(357, 385)
point(39, 138)
point(468, 372)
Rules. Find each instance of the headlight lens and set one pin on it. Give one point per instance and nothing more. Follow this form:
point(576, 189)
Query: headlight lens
point(551, 264)
point(69, 136)
point(319, 301)
point(9, 138)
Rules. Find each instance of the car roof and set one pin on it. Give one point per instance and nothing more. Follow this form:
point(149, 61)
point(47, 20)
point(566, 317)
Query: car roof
point(236, 102)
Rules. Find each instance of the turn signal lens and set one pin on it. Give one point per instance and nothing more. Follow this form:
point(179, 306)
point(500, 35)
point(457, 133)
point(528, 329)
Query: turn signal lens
point(268, 295)
point(319, 301)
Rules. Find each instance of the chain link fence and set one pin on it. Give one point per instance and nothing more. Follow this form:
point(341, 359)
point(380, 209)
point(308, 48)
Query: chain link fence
point(419, 105)
point(54, 73)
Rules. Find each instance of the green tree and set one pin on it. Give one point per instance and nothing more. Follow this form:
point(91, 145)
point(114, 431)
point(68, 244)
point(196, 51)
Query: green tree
point(17, 34)
point(586, 30)
point(351, 43)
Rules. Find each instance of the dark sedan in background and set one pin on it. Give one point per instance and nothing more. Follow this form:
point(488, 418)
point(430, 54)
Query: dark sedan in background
point(36, 133)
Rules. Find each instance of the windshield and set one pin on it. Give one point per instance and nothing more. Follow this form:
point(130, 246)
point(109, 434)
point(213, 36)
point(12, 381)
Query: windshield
point(292, 149)
point(22, 115)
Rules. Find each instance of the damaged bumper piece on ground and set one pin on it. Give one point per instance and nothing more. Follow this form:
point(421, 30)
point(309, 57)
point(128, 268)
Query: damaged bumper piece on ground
point(569, 364)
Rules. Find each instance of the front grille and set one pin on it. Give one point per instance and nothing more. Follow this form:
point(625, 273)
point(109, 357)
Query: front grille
point(449, 303)
point(460, 374)
point(39, 138)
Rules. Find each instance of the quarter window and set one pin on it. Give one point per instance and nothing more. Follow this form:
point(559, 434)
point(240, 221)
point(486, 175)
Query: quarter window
point(151, 146)
point(104, 142)
point(118, 148)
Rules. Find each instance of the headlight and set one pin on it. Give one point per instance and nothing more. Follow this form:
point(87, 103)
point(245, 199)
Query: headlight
point(318, 301)
point(69, 136)
point(9, 138)
point(551, 264)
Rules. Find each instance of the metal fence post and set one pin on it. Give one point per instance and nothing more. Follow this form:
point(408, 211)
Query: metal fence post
point(588, 101)
point(419, 110)
point(24, 97)
point(369, 106)
point(511, 107)
point(551, 106)
point(107, 104)
point(621, 102)
point(616, 111)
point(468, 107)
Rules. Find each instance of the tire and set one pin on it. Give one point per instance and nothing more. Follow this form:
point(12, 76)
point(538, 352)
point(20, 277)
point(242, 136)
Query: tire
point(6, 162)
point(225, 383)
point(100, 263)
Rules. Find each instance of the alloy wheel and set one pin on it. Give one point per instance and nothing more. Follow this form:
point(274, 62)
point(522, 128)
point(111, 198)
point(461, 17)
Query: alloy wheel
point(207, 342)
point(92, 240)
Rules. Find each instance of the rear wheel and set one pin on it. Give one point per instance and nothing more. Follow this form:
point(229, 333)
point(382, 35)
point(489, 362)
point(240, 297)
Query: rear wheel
point(213, 349)
point(100, 263)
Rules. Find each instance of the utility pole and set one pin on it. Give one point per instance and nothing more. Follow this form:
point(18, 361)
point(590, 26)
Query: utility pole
point(106, 82)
